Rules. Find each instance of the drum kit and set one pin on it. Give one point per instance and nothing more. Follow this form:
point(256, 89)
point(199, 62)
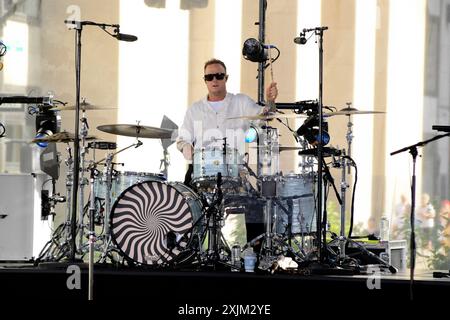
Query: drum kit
point(142, 219)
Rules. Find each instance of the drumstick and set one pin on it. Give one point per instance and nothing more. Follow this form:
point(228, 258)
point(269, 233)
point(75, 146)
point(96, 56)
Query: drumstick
point(271, 104)
point(270, 59)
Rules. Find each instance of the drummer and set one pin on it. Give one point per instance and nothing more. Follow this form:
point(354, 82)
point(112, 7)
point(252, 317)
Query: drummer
point(205, 123)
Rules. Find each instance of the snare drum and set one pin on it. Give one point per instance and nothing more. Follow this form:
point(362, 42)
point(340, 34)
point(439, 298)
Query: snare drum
point(210, 161)
point(296, 194)
point(153, 222)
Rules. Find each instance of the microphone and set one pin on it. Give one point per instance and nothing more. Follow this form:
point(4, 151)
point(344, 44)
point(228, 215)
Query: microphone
point(125, 37)
point(27, 100)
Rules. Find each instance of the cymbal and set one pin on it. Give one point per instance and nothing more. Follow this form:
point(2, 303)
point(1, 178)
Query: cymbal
point(60, 137)
point(343, 112)
point(280, 148)
point(326, 152)
point(351, 111)
point(266, 117)
point(131, 130)
point(84, 106)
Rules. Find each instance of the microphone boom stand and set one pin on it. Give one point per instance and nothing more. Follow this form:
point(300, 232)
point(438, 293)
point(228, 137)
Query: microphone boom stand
point(413, 151)
point(76, 143)
point(78, 26)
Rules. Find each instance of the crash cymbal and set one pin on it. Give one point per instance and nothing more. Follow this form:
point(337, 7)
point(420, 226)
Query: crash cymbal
point(266, 117)
point(139, 131)
point(280, 148)
point(84, 106)
point(60, 137)
point(326, 152)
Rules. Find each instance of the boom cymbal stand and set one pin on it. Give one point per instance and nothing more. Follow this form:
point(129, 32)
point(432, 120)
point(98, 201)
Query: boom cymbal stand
point(108, 246)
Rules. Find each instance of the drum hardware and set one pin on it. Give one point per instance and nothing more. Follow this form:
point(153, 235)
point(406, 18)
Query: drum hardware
point(349, 136)
point(164, 163)
point(108, 246)
point(168, 124)
point(217, 251)
point(83, 181)
point(268, 151)
point(102, 145)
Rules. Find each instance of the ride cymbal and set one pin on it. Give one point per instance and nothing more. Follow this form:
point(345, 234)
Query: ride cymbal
point(139, 131)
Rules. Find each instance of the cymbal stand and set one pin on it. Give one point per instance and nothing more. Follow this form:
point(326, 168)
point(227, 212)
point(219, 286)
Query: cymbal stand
point(214, 223)
point(165, 161)
point(83, 181)
point(349, 136)
point(273, 244)
point(344, 186)
point(106, 236)
point(69, 183)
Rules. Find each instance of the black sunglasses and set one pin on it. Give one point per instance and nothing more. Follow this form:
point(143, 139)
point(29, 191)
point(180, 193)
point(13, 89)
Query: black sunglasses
point(210, 77)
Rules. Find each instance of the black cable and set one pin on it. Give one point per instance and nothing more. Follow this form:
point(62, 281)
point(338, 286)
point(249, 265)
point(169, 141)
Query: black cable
point(352, 208)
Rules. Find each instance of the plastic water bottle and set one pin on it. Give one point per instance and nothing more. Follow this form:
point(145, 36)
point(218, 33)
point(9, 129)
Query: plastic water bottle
point(384, 228)
point(236, 258)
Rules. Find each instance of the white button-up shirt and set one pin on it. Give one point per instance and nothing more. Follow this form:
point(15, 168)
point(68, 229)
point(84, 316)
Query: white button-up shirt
point(204, 127)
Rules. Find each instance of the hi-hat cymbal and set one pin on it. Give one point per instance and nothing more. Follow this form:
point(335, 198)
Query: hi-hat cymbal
point(351, 111)
point(84, 106)
point(139, 131)
point(280, 148)
point(60, 137)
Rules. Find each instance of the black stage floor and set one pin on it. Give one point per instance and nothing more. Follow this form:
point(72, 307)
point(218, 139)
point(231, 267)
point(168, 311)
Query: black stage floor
point(175, 289)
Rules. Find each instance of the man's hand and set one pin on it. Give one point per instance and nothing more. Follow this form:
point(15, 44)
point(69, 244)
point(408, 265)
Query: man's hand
point(187, 152)
point(272, 92)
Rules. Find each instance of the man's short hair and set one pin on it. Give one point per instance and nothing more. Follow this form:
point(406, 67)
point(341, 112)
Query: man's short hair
point(215, 61)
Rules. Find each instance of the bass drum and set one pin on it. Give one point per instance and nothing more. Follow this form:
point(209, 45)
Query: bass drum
point(153, 222)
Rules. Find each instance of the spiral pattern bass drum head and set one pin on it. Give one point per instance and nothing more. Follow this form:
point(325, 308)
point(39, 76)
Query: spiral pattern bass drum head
point(147, 219)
